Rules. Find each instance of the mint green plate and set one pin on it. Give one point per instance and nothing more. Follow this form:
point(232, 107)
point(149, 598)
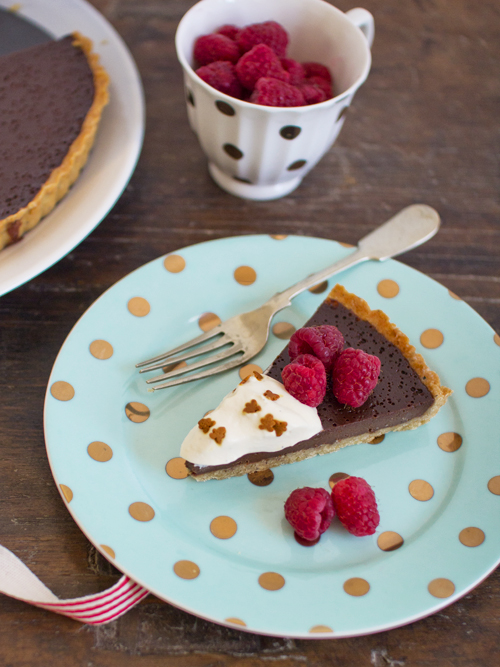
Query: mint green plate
point(344, 586)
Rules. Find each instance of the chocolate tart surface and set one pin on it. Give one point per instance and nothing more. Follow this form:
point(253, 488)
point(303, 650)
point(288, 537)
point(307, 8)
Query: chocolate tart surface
point(51, 100)
point(407, 395)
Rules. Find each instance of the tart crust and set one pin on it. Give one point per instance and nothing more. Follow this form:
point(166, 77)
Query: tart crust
point(379, 320)
point(14, 226)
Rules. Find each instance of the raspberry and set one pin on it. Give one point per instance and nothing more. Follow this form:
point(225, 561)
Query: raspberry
point(315, 69)
point(355, 374)
point(270, 33)
point(260, 62)
point(325, 85)
point(356, 506)
point(312, 93)
point(309, 512)
point(228, 31)
point(305, 379)
point(273, 93)
point(324, 341)
point(221, 76)
point(294, 69)
point(211, 48)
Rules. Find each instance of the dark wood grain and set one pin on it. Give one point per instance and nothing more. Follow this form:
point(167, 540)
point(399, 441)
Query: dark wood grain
point(424, 128)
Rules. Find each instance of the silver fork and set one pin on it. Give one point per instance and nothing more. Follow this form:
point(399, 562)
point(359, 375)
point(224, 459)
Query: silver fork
point(240, 338)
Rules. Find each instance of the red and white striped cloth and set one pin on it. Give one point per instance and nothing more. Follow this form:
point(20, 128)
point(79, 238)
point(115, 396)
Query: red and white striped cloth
point(17, 581)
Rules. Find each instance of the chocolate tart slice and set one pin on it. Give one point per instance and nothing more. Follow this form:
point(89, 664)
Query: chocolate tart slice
point(51, 100)
point(407, 395)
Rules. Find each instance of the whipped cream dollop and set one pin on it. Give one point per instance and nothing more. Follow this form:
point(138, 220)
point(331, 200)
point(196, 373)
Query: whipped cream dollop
point(258, 416)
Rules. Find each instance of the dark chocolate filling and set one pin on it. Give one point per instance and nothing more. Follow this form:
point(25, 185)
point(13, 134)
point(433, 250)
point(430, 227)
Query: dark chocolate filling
point(45, 94)
point(398, 397)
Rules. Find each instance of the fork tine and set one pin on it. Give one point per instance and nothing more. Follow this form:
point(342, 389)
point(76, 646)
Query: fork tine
point(200, 364)
point(204, 374)
point(216, 344)
point(194, 341)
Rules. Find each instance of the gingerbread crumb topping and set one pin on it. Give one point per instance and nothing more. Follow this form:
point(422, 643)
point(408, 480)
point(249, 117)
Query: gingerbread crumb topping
point(245, 379)
point(272, 397)
point(206, 424)
point(252, 406)
point(269, 423)
point(218, 434)
point(258, 375)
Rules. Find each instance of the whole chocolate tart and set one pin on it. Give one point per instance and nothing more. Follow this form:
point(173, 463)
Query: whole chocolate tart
point(51, 100)
point(407, 395)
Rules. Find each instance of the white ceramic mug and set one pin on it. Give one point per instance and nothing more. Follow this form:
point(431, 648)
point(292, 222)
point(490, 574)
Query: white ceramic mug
point(261, 152)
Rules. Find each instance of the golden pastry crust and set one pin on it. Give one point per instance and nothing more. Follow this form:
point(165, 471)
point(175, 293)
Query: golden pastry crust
point(13, 227)
point(391, 332)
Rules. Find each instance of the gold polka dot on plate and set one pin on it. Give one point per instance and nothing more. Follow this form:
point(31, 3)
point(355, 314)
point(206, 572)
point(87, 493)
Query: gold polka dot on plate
point(271, 581)
point(431, 338)
point(108, 550)
point(319, 288)
point(138, 306)
point(137, 412)
point(389, 541)
point(176, 468)
point(247, 370)
point(208, 321)
point(496, 339)
point(186, 569)
point(283, 330)
point(101, 349)
point(61, 390)
point(236, 621)
point(346, 245)
point(377, 440)
point(67, 492)
point(494, 485)
point(356, 586)
point(441, 588)
point(141, 511)
point(174, 263)
point(320, 628)
point(245, 275)
point(421, 490)
point(278, 237)
point(336, 477)
point(261, 477)
point(477, 387)
point(471, 536)
point(223, 527)
point(453, 295)
point(449, 442)
point(174, 366)
point(100, 451)
point(388, 288)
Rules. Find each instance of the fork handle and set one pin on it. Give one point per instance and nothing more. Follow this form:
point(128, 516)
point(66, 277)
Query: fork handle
point(283, 299)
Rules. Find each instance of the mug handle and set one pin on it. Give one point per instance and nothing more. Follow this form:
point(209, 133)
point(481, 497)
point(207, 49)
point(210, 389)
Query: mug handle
point(363, 20)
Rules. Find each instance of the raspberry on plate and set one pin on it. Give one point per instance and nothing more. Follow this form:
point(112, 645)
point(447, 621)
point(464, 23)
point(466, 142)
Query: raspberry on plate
point(221, 76)
point(305, 379)
point(354, 376)
point(273, 93)
point(270, 33)
point(261, 61)
point(324, 341)
point(309, 512)
point(356, 506)
point(211, 48)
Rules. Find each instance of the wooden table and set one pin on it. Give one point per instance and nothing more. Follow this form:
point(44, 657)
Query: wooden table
point(424, 128)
